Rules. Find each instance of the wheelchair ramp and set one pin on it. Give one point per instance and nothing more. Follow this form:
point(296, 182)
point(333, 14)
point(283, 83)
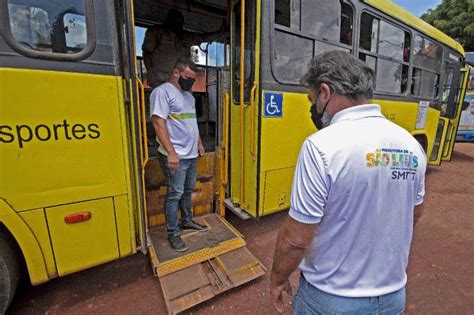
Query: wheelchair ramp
point(216, 261)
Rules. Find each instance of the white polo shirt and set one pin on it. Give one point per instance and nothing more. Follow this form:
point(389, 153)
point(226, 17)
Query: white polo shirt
point(360, 179)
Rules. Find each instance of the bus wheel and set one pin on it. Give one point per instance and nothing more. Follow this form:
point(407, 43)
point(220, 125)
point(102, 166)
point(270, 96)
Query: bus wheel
point(9, 272)
point(422, 141)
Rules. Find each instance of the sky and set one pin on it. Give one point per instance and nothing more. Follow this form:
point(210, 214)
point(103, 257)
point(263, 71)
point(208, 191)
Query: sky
point(418, 7)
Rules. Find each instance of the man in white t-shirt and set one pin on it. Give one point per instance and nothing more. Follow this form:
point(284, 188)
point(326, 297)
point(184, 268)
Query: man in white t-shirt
point(357, 192)
point(173, 115)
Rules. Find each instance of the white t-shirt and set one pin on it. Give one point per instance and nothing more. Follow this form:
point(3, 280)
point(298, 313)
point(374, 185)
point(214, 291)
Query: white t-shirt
point(360, 179)
point(178, 108)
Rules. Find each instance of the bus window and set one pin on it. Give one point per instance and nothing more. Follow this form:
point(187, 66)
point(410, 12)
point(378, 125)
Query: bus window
point(49, 26)
point(249, 53)
point(369, 60)
point(392, 41)
point(282, 12)
point(293, 50)
point(321, 19)
point(369, 32)
point(75, 30)
point(424, 83)
point(470, 83)
point(211, 54)
point(391, 77)
point(385, 48)
point(427, 58)
point(427, 54)
point(447, 84)
point(287, 13)
point(346, 24)
point(291, 56)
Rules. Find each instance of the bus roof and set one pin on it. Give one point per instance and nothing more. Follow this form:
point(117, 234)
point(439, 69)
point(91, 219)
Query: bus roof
point(390, 8)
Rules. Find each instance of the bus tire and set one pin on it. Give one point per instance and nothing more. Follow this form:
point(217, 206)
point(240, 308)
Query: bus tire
point(422, 141)
point(9, 272)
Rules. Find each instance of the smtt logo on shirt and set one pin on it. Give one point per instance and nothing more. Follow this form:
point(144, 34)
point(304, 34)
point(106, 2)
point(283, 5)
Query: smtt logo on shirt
point(403, 162)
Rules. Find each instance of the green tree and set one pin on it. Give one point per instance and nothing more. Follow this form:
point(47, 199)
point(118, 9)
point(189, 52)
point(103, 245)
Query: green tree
point(456, 19)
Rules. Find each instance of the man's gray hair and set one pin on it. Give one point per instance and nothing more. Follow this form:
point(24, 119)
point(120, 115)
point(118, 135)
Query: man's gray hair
point(343, 73)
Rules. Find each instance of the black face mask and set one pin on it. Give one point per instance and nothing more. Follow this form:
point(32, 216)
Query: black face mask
point(185, 84)
point(316, 117)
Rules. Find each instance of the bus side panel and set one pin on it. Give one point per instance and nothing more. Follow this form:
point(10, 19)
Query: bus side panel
point(405, 115)
point(125, 226)
point(83, 244)
point(62, 138)
point(281, 140)
point(35, 220)
point(63, 142)
point(29, 246)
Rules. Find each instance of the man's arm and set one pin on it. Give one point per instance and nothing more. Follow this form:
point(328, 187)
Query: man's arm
point(418, 212)
point(199, 38)
point(148, 60)
point(201, 149)
point(148, 47)
point(293, 240)
point(160, 128)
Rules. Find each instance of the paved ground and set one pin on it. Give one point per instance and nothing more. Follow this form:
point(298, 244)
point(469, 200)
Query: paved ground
point(441, 278)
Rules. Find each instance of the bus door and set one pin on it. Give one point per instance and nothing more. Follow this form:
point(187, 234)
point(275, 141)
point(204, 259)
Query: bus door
point(453, 88)
point(244, 109)
point(216, 260)
point(459, 90)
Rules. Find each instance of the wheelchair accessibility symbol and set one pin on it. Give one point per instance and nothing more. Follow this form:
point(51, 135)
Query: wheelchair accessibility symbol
point(273, 103)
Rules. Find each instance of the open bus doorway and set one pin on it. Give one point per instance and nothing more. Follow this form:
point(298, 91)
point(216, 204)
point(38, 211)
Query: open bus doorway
point(212, 66)
point(216, 260)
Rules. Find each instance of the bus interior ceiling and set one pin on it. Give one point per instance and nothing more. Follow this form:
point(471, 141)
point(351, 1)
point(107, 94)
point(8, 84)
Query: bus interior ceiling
point(200, 16)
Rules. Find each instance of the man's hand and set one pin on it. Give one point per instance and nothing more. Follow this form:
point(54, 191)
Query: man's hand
point(293, 240)
point(276, 292)
point(173, 162)
point(201, 149)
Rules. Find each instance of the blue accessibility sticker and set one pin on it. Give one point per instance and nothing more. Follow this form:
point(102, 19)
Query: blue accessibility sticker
point(273, 105)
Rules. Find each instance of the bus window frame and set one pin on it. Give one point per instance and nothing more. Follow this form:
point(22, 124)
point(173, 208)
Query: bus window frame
point(376, 55)
point(274, 27)
point(86, 52)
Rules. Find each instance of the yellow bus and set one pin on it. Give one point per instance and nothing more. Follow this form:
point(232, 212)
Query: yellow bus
point(466, 123)
point(79, 180)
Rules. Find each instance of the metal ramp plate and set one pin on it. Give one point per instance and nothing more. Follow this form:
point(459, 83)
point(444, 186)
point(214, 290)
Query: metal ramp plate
point(216, 261)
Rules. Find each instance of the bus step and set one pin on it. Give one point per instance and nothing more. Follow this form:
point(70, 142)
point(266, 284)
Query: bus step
point(236, 209)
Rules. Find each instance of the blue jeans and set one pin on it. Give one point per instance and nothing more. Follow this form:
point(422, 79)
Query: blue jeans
point(180, 185)
point(310, 300)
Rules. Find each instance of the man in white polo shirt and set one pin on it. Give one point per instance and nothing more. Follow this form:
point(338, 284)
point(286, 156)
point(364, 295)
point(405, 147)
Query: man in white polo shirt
point(173, 114)
point(357, 191)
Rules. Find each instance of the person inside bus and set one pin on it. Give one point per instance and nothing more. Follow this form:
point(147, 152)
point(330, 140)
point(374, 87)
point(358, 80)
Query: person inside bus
point(173, 115)
point(163, 44)
point(357, 193)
